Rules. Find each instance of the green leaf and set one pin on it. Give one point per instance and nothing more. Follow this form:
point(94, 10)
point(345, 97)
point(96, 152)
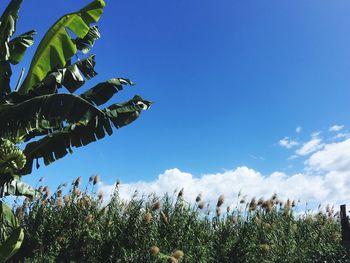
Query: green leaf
point(122, 114)
point(5, 77)
point(7, 28)
point(7, 219)
point(57, 47)
point(11, 235)
point(56, 145)
point(71, 77)
point(102, 92)
point(19, 45)
point(17, 188)
point(44, 113)
point(11, 245)
point(86, 43)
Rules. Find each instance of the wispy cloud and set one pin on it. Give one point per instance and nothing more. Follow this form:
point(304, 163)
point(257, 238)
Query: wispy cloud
point(287, 143)
point(336, 128)
point(342, 135)
point(298, 129)
point(314, 144)
point(255, 157)
point(293, 157)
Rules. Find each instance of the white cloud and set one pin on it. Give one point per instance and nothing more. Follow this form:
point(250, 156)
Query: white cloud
point(311, 146)
point(312, 188)
point(336, 128)
point(334, 157)
point(298, 129)
point(324, 179)
point(287, 143)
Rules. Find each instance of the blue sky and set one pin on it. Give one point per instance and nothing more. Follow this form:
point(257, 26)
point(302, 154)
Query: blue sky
point(229, 79)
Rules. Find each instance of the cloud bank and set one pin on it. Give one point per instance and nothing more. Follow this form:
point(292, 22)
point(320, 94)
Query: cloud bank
point(325, 179)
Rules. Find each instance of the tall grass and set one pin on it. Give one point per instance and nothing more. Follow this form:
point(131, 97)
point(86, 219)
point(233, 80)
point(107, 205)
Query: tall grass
point(72, 225)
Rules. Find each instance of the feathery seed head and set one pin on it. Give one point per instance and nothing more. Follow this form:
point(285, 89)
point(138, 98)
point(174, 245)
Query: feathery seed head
point(154, 250)
point(77, 181)
point(66, 199)
point(147, 218)
point(252, 205)
point(77, 192)
point(288, 204)
point(181, 193)
point(59, 193)
point(178, 254)
point(87, 200)
point(96, 179)
point(268, 206)
point(265, 248)
point(155, 206)
point(198, 198)
point(201, 205)
point(221, 200)
point(59, 202)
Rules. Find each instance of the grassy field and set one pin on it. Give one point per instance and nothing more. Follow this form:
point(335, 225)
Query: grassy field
point(74, 225)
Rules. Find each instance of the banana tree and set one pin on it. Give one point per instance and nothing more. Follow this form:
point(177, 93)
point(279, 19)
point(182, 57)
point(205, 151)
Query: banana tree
point(44, 114)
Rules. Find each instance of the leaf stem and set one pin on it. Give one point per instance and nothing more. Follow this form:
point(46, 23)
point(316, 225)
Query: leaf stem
point(19, 80)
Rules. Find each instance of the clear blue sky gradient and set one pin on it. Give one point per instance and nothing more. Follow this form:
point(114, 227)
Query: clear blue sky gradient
point(229, 79)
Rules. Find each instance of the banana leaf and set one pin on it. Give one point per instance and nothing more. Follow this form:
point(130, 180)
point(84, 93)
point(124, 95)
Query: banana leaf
point(8, 221)
point(86, 43)
point(44, 113)
point(56, 145)
point(19, 45)
point(17, 188)
point(7, 28)
point(71, 77)
point(11, 245)
point(57, 46)
point(102, 92)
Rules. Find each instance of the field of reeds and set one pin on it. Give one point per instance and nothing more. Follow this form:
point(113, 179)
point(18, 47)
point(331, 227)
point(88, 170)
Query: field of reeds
point(75, 225)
